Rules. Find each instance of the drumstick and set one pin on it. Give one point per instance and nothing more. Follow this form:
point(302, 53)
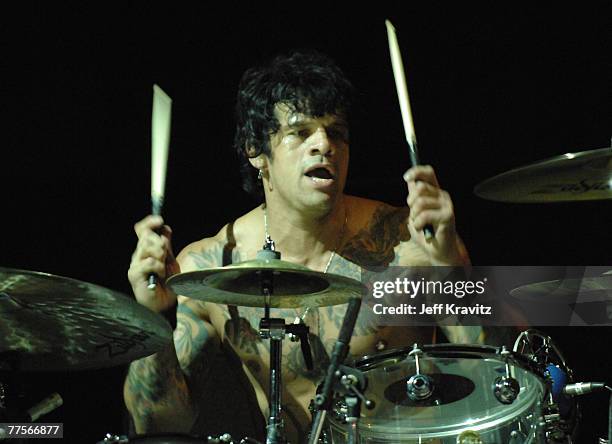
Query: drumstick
point(404, 101)
point(160, 141)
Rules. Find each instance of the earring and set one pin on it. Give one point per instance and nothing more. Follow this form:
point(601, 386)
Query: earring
point(259, 175)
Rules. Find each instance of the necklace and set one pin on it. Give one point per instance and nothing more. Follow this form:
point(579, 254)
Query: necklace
point(269, 241)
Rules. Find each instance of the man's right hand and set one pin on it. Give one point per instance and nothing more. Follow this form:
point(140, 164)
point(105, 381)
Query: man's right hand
point(153, 254)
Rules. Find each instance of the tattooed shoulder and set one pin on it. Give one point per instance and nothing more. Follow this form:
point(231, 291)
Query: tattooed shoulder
point(374, 244)
point(209, 253)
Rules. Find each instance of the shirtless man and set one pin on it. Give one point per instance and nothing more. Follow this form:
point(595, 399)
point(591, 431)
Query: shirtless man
point(293, 136)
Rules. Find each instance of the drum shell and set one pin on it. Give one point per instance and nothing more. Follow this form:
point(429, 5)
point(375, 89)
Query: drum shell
point(477, 414)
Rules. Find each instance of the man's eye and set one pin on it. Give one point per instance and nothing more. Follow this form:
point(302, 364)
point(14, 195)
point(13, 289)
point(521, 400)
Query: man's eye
point(302, 134)
point(338, 134)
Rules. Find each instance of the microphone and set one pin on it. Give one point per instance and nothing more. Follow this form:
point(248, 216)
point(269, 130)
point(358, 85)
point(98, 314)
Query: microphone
point(582, 388)
point(323, 399)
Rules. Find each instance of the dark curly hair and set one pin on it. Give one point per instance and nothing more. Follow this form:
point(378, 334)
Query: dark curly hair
point(308, 82)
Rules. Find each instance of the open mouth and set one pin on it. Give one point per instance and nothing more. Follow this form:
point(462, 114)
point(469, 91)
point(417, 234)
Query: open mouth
point(320, 174)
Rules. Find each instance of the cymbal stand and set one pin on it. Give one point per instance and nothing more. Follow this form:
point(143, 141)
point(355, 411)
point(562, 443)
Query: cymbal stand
point(275, 330)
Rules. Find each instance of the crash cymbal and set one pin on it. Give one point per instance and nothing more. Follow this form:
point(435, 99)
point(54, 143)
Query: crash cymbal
point(240, 284)
point(51, 322)
point(568, 291)
point(585, 175)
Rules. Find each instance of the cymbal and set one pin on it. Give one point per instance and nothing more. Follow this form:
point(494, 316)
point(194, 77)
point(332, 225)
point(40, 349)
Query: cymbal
point(579, 176)
point(239, 284)
point(51, 322)
point(568, 291)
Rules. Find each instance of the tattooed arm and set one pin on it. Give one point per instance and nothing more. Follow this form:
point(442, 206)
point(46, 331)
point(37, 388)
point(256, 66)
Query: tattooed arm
point(159, 389)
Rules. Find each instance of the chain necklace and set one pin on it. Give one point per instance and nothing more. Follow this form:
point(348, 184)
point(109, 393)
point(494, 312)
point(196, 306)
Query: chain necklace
point(268, 240)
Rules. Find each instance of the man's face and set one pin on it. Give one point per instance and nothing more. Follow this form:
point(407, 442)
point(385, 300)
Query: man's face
point(309, 160)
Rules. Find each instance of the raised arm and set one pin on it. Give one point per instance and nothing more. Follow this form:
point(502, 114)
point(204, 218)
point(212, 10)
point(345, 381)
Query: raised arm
point(158, 389)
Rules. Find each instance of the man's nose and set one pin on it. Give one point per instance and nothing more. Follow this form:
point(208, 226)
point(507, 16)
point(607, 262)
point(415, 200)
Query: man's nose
point(321, 143)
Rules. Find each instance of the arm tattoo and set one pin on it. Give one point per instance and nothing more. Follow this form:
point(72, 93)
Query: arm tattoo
point(241, 332)
point(194, 348)
point(151, 382)
point(167, 380)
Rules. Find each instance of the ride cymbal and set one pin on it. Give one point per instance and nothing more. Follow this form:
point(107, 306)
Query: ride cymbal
point(569, 290)
point(585, 175)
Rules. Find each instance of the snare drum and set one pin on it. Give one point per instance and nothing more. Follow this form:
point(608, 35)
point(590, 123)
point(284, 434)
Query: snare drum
point(462, 408)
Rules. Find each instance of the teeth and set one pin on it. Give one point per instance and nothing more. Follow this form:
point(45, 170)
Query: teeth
point(318, 179)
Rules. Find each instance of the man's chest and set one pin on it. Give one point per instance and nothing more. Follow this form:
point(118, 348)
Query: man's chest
point(240, 327)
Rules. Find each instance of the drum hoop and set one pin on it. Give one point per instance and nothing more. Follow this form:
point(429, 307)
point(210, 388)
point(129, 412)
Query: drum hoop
point(464, 351)
point(452, 429)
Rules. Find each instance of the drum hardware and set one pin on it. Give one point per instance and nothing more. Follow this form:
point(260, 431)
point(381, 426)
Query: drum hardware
point(506, 388)
point(276, 329)
point(115, 439)
point(517, 437)
point(470, 437)
point(224, 438)
point(352, 383)
point(560, 413)
point(172, 438)
point(419, 386)
point(227, 439)
point(349, 387)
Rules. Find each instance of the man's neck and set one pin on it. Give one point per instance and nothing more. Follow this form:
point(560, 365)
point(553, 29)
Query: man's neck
point(306, 237)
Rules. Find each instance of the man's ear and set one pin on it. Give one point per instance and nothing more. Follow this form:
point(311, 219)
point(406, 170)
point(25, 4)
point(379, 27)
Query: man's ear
point(258, 162)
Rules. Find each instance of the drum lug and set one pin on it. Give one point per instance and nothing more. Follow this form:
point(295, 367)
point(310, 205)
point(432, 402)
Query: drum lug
point(419, 386)
point(224, 438)
point(116, 439)
point(517, 437)
point(506, 388)
point(323, 437)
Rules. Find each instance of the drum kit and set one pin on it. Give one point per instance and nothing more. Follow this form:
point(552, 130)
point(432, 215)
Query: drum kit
point(444, 393)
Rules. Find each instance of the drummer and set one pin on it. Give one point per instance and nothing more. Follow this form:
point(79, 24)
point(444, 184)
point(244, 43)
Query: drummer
point(293, 139)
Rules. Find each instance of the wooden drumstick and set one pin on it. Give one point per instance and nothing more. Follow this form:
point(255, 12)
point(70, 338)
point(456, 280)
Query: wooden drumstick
point(404, 101)
point(160, 141)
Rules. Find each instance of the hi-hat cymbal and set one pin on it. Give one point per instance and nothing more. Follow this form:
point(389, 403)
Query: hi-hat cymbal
point(240, 284)
point(585, 175)
point(51, 322)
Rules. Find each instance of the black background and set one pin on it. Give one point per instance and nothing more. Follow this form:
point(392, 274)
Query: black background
point(491, 89)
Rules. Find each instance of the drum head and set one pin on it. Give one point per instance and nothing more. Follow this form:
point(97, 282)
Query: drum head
point(462, 398)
